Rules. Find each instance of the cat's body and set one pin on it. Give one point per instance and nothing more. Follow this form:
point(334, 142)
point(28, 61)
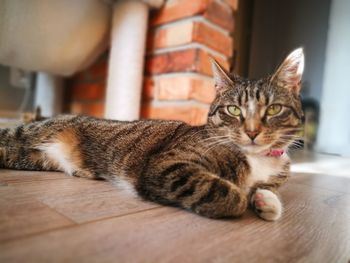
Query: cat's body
point(208, 169)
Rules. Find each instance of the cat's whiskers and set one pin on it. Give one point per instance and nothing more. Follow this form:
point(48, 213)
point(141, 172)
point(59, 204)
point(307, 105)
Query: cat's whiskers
point(203, 130)
point(215, 137)
point(293, 128)
point(217, 143)
point(291, 138)
point(230, 137)
point(289, 142)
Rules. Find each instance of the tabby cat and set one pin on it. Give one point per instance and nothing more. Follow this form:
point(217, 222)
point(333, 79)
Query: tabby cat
point(216, 170)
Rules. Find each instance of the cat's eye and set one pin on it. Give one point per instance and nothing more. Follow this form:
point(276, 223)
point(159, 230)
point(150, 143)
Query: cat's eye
point(274, 109)
point(234, 110)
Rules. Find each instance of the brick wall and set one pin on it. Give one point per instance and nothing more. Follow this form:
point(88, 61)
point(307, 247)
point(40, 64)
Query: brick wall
point(177, 84)
point(85, 91)
point(183, 35)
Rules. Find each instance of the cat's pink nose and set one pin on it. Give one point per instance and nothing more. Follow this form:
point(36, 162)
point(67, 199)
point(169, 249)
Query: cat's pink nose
point(252, 134)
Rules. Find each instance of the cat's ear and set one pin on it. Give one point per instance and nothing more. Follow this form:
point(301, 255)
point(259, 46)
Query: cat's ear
point(221, 79)
point(291, 70)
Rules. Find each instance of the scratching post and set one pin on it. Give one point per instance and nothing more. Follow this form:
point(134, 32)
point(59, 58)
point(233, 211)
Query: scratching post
point(125, 72)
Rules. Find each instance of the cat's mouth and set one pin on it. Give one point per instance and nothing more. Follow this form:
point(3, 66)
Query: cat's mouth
point(263, 150)
point(265, 146)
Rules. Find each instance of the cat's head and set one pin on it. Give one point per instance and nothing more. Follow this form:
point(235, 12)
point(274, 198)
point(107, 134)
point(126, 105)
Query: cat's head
point(259, 115)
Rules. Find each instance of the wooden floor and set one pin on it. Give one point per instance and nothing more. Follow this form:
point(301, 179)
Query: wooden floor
point(50, 217)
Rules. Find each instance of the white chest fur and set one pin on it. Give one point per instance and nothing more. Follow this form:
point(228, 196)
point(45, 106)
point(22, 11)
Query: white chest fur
point(262, 167)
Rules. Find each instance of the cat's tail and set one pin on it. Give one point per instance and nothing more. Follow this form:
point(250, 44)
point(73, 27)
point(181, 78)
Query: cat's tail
point(18, 149)
point(49, 145)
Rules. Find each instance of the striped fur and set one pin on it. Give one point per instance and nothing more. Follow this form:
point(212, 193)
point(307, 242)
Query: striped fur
point(206, 169)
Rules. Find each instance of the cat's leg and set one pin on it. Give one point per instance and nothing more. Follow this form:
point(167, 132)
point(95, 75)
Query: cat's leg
point(265, 200)
point(191, 187)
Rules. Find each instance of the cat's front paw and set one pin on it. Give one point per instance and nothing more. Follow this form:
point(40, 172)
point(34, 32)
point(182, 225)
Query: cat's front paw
point(266, 204)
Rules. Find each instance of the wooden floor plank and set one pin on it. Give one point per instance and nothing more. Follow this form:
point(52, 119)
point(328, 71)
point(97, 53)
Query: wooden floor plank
point(21, 214)
point(315, 228)
point(78, 199)
point(20, 219)
point(99, 205)
point(16, 176)
point(50, 217)
point(339, 184)
point(53, 188)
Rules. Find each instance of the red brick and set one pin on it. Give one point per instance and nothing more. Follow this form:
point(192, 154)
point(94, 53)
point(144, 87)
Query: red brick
point(219, 14)
point(95, 109)
point(233, 4)
point(148, 89)
point(177, 9)
point(97, 72)
point(184, 88)
point(203, 90)
point(212, 38)
point(204, 64)
point(173, 88)
point(172, 62)
point(192, 31)
point(188, 60)
point(174, 35)
point(190, 114)
point(87, 91)
point(213, 10)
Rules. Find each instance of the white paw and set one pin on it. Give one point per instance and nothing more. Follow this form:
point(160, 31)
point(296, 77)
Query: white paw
point(267, 205)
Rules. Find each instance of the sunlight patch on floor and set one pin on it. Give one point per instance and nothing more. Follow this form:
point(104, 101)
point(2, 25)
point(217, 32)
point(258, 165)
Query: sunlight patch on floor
point(336, 167)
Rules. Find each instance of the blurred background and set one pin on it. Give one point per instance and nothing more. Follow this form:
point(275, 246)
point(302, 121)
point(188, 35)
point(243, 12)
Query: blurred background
point(134, 59)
